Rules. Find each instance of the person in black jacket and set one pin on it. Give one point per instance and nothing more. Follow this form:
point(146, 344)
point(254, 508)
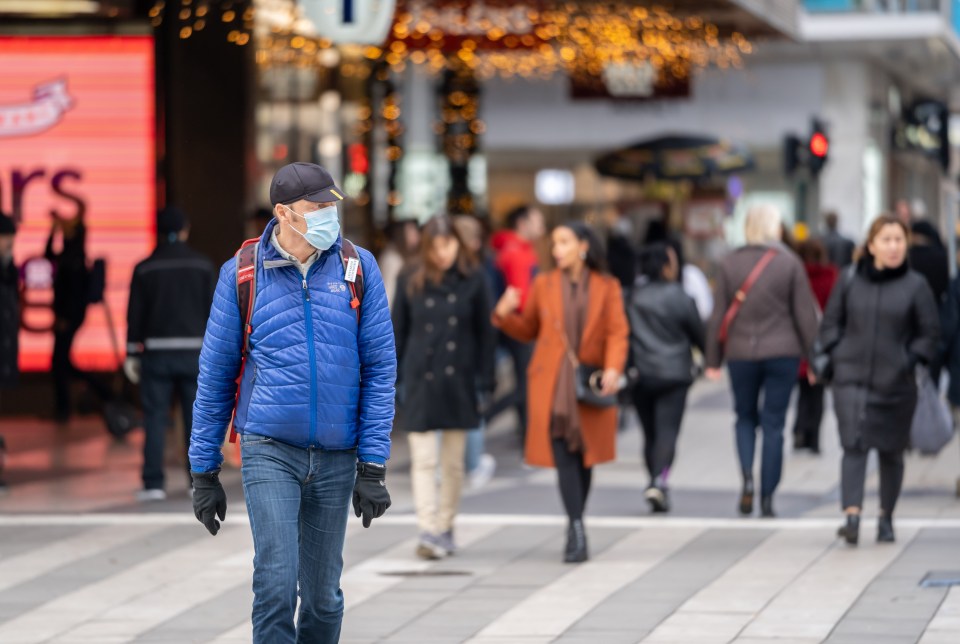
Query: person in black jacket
point(874, 333)
point(170, 297)
point(71, 297)
point(445, 351)
point(9, 305)
point(9, 316)
point(664, 327)
point(928, 256)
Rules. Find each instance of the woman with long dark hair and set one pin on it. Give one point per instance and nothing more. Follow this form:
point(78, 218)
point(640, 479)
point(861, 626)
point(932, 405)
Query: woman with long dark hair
point(445, 351)
point(875, 331)
point(575, 313)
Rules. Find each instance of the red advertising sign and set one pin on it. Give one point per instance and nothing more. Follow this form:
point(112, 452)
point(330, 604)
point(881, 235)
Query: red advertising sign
point(77, 134)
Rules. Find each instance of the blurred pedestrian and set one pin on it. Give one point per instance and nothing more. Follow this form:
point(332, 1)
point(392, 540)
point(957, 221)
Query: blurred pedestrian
point(839, 248)
point(692, 278)
point(9, 305)
point(314, 411)
point(170, 296)
point(875, 331)
point(257, 222)
point(480, 465)
point(518, 262)
point(928, 256)
point(576, 315)
point(950, 318)
point(622, 251)
point(665, 326)
point(445, 346)
point(764, 321)
point(823, 276)
point(9, 318)
point(71, 297)
point(403, 243)
point(904, 212)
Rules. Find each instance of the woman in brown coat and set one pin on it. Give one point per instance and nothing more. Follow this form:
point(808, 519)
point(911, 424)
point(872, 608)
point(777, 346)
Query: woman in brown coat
point(575, 310)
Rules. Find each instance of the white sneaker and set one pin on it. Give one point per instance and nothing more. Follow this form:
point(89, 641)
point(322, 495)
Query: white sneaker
point(151, 495)
point(483, 472)
point(428, 547)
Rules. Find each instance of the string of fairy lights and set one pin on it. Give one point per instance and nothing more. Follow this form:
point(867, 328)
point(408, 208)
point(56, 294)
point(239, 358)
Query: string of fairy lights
point(549, 37)
point(193, 16)
point(465, 42)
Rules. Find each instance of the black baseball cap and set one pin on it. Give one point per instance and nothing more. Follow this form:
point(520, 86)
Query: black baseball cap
point(300, 180)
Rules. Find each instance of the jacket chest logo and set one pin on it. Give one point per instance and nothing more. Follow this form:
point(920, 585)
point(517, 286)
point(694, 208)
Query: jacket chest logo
point(336, 287)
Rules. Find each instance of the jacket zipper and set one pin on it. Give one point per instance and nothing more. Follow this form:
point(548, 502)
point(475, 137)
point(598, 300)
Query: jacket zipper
point(311, 356)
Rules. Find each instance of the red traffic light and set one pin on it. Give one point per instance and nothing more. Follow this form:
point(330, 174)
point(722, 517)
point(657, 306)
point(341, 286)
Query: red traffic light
point(819, 145)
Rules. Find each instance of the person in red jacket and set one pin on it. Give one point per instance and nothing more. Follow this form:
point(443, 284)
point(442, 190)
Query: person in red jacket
point(517, 262)
point(823, 277)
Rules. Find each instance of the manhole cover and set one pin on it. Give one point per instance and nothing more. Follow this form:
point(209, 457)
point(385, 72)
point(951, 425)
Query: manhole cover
point(941, 579)
point(425, 573)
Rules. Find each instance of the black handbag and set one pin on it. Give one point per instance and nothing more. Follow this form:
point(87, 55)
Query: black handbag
point(587, 385)
point(587, 379)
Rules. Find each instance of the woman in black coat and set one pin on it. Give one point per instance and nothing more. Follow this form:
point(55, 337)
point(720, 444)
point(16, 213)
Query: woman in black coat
point(664, 327)
point(876, 329)
point(445, 349)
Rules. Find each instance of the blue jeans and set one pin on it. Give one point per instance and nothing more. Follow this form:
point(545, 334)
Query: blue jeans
point(298, 501)
point(774, 380)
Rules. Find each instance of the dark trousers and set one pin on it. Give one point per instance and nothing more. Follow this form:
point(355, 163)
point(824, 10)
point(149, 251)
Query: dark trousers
point(853, 476)
point(660, 409)
point(806, 429)
point(761, 394)
point(574, 479)
point(520, 354)
point(162, 374)
point(64, 371)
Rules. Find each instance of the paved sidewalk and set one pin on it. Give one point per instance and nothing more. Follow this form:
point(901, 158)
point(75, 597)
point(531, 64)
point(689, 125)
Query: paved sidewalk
point(81, 561)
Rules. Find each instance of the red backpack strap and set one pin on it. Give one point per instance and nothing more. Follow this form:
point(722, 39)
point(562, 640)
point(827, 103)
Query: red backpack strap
point(246, 294)
point(352, 273)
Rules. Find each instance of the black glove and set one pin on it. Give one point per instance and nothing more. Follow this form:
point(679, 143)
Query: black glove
point(370, 496)
point(209, 499)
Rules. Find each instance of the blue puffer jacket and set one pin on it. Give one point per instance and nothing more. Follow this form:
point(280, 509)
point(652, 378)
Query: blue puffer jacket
point(314, 376)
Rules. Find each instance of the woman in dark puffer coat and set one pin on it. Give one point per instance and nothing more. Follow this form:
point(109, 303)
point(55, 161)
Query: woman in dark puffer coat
point(875, 331)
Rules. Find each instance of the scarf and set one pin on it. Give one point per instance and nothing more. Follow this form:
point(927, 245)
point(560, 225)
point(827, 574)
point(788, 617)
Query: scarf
point(565, 414)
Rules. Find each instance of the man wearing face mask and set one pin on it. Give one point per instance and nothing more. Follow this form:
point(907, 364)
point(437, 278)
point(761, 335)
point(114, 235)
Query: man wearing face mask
point(314, 409)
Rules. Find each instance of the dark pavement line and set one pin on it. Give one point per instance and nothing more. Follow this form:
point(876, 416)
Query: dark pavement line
point(894, 606)
point(207, 620)
point(514, 563)
point(71, 577)
point(17, 540)
point(636, 609)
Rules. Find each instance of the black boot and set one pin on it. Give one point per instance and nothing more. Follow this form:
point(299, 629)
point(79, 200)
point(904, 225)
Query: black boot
point(850, 531)
point(576, 551)
point(571, 542)
point(885, 530)
point(766, 507)
point(746, 496)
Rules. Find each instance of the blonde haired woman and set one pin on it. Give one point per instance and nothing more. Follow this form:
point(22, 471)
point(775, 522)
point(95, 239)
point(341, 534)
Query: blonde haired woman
point(764, 321)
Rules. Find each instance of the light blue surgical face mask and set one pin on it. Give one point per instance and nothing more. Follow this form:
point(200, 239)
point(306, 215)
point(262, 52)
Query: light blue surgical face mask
point(323, 227)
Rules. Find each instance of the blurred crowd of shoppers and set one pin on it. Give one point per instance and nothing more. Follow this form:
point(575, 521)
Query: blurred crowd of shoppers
point(813, 315)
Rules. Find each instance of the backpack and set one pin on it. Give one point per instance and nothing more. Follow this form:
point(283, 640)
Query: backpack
point(247, 293)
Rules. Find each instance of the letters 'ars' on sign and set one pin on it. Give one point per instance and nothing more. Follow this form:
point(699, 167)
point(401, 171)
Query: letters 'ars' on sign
point(351, 22)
